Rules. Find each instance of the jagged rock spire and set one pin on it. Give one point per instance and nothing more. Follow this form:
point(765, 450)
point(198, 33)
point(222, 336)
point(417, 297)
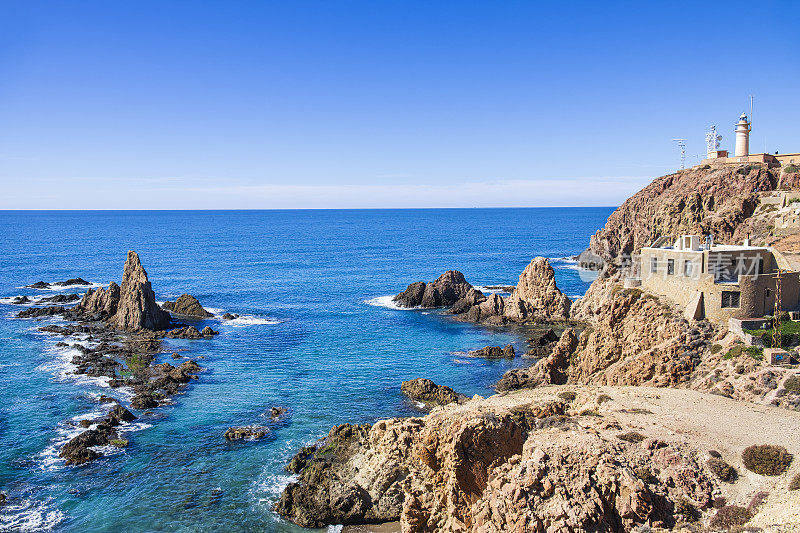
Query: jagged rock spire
point(137, 307)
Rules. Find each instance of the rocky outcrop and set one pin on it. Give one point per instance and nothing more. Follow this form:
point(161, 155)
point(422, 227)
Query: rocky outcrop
point(489, 311)
point(444, 292)
point(67, 283)
point(100, 303)
point(718, 201)
point(501, 464)
point(79, 449)
point(551, 370)
point(536, 296)
point(495, 352)
point(186, 305)
point(426, 391)
point(137, 308)
point(246, 433)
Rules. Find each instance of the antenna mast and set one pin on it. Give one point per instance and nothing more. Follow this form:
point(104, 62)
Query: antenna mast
point(682, 144)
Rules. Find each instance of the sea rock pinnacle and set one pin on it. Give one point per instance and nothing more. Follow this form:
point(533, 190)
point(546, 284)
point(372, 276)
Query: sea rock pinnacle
point(137, 308)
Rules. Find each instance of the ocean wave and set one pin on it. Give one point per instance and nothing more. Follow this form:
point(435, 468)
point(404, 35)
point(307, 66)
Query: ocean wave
point(60, 288)
point(272, 486)
point(388, 303)
point(63, 370)
point(30, 515)
point(249, 320)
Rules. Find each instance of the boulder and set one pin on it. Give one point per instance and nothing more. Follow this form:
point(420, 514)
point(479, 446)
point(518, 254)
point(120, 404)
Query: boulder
point(474, 297)
point(190, 367)
point(536, 296)
point(208, 332)
point(60, 298)
point(144, 401)
point(229, 316)
point(444, 292)
point(38, 285)
point(118, 415)
point(137, 307)
point(19, 300)
point(490, 309)
point(79, 450)
point(426, 391)
point(186, 332)
point(70, 282)
point(186, 305)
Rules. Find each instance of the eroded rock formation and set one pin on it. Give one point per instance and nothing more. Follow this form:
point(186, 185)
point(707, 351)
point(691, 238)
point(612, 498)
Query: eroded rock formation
point(187, 305)
point(137, 308)
point(100, 303)
point(444, 292)
point(536, 295)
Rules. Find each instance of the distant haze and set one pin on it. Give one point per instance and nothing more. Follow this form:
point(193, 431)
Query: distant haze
point(188, 105)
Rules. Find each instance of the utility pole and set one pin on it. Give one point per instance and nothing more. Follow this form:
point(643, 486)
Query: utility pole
point(682, 144)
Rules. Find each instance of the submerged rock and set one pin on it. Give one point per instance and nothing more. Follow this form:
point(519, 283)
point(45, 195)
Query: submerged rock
point(426, 391)
point(444, 292)
point(60, 298)
point(246, 432)
point(186, 305)
point(230, 316)
point(33, 312)
point(137, 307)
point(70, 282)
point(19, 300)
point(38, 285)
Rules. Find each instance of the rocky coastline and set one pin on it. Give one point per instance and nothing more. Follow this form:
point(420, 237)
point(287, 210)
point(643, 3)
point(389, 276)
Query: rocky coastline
point(557, 449)
point(117, 333)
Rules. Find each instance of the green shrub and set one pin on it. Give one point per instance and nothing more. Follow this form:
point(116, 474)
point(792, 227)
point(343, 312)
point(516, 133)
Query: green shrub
point(567, 396)
point(795, 483)
point(589, 412)
point(746, 169)
point(756, 352)
point(789, 169)
point(792, 384)
point(735, 351)
point(716, 348)
point(766, 459)
point(686, 510)
point(722, 470)
point(631, 436)
point(730, 516)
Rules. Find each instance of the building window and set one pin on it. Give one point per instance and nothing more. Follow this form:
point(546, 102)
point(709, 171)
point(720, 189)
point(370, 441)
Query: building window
point(653, 264)
point(687, 269)
point(730, 298)
point(670, 266)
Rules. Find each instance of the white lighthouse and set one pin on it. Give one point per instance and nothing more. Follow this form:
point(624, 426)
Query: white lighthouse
point(742, 137)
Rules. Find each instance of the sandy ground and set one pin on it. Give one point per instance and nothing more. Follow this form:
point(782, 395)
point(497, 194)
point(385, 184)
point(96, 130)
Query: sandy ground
point(710, 422)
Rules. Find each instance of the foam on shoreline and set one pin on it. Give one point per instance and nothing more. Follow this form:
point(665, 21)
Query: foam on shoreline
point(387, 302)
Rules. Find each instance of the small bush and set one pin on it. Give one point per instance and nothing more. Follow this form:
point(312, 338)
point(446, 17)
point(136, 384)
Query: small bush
point(603, 398)
point(730, 516)
point(735, 351)
point(719, 502)
point(567, 396)
point(756, 352)
point(756, 501)
point(792, 384)
point(631, 436)
point(716, 348)
point(715, 453)
point(790, 169)
point(686, 510)
point(795, 483)
point(645, 474)
point(766, 460)
point(722, 470)
point(589, 412)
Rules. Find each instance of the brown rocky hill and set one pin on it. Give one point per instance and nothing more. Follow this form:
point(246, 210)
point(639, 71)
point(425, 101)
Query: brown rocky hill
point(698, 200)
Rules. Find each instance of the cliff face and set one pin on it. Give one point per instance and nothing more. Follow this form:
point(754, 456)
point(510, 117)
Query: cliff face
point(696, 201)
point(514, 463)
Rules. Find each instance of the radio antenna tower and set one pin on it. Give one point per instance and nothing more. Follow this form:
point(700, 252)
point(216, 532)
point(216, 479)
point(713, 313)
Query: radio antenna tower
point(712, 139)
point(682, 144)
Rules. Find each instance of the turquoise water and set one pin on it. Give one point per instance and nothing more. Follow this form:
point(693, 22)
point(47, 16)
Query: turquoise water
point(313, 337)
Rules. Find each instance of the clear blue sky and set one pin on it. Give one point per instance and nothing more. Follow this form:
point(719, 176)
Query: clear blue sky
point(166, 104)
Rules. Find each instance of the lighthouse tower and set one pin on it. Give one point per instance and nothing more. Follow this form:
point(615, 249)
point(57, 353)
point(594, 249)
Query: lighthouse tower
point(742, 137)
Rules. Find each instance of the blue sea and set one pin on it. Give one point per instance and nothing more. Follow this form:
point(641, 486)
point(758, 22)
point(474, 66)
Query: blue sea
point(317, 334)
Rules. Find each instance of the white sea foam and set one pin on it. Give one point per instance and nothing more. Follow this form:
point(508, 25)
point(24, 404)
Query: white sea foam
point(273, 485)
point(216, 311)
point(335, 529)
point(60, 288)
point(29, 515)
point(248, 320)
point(387, 302)
point(462, 362)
